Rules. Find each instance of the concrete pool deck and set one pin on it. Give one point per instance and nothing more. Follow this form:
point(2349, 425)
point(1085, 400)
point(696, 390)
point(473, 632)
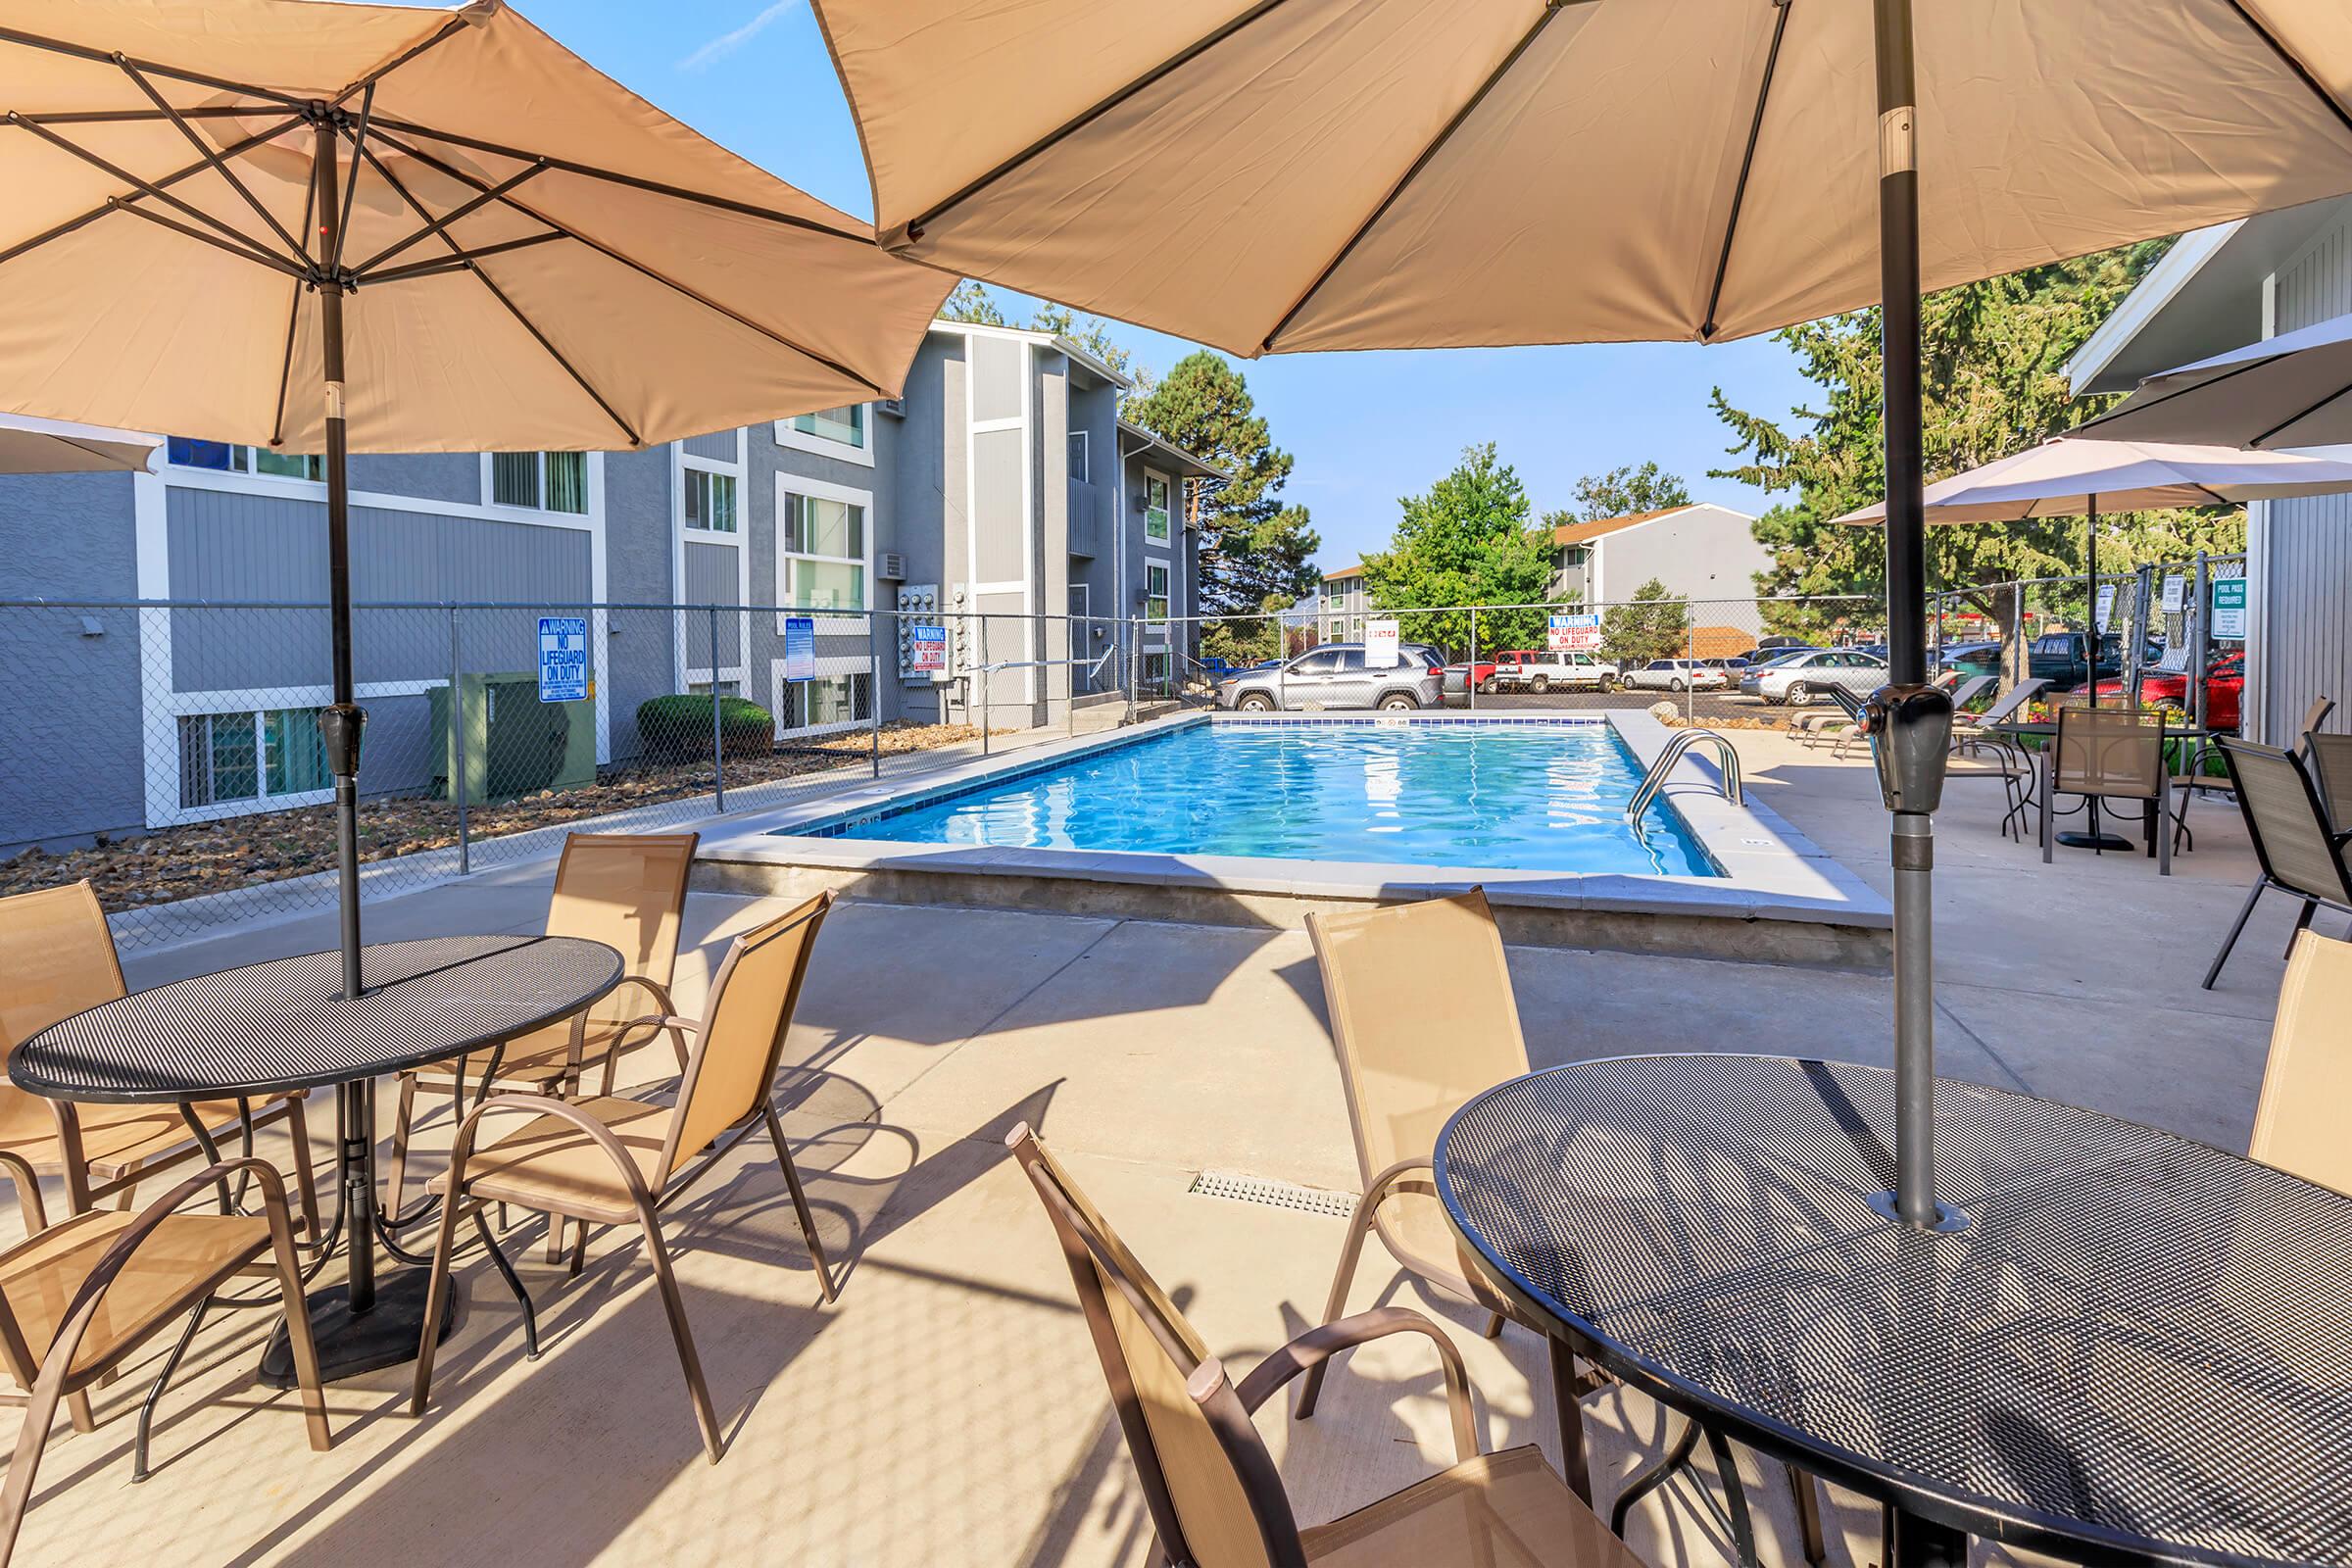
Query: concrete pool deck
point(1793, 903)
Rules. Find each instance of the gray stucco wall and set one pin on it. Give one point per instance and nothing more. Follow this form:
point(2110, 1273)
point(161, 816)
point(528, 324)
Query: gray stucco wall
point(70, 741)
point(1707, 553)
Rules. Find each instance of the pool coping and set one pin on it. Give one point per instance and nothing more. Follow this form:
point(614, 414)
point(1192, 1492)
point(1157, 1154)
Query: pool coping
point(1772, 871)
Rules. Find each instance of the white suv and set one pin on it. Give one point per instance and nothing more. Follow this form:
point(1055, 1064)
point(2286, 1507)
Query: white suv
point(1533, 670)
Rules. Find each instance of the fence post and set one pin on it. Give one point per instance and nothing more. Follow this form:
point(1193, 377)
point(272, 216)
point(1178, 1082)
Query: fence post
point(719, 744)
point(985, 682)
point(1690, 672)
point(457, 769)
point(2200, 632)
point(1470, 678)
point(1128, 657)
point(1071, 648)
point(873, 683)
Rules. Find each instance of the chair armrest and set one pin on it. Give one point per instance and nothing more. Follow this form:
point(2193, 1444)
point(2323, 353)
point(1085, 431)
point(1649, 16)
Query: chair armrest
point(1319, 1345)
point(462, 1145)
point(1399, 1178)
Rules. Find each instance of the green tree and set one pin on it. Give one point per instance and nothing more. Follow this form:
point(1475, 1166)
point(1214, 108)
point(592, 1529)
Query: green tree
point(971, 301)
point(1655, 625)
point(1993, 377)
point(1254, 546)
point(1471, 540)
point(1624, 490)
point(1244, 640)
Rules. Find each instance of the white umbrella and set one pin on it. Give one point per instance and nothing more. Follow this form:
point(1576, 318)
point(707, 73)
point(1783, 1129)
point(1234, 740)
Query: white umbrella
point(1273, 176)
point(2292, 390)
point(45, 446)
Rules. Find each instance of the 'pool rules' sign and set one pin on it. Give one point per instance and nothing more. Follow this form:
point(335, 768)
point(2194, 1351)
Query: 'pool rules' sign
point(1379, 645)
point(563, 659)
point(800, 648)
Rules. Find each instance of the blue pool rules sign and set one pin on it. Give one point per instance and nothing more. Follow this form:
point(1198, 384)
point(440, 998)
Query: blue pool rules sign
point(800, 648)
point(563, 659)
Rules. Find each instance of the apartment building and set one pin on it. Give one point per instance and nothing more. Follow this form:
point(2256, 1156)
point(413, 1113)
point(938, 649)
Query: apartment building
point(1704, 553)
point(1002, 483)
point(1342, 607)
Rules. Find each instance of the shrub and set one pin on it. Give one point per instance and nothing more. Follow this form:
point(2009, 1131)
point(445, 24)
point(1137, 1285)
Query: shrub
point(677, 729)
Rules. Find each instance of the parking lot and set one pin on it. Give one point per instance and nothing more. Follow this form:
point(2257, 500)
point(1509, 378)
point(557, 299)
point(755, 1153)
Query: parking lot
point(1703, 705)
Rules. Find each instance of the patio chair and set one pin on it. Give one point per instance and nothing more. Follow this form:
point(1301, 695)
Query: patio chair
point(627, 891)
point(79, 1299)
point(2112, 754)
point(1213, 1495)
point(617, 1161)
point(2307, 1080)
point(1411, 1054)
point(2331, 758)
point(2295, 847)
point(57, 958)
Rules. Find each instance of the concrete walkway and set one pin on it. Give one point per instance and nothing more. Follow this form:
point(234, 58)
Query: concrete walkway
point(947, 1408)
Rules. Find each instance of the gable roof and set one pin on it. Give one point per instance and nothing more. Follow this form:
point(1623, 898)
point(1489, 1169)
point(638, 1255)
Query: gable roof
point(1576, 534)
point(1344, 573)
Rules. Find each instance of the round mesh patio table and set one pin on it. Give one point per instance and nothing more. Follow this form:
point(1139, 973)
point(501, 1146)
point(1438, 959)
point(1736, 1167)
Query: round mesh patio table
point(285, 1025)
point(2139, 1349)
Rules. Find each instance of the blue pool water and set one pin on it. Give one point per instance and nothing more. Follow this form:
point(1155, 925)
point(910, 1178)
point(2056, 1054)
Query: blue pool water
point(1540, 797)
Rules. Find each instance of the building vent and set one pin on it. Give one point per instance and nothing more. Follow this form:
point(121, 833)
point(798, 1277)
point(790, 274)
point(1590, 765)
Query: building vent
point(892, 568)
point(1244, 1189)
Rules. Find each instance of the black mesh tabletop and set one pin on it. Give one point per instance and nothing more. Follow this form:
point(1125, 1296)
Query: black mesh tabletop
point(2141, 1345)
point(285, 1024)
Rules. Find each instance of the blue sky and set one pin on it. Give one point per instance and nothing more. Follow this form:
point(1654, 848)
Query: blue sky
point(1365, 429)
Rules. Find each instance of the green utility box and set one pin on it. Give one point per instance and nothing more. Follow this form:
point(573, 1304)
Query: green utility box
point(516, 745)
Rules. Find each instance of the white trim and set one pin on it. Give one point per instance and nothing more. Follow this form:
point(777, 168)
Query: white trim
point(1011, 585)
point(1036, 339)
point(314, 492)
point(1011, 422)
point(739, 541)
point(850, 665)
point(2131, 317)
point(1174, 527)
point(151, 521)
point(1144, 614)
point(825, 446)
point(1032, 523)
point(818, 489)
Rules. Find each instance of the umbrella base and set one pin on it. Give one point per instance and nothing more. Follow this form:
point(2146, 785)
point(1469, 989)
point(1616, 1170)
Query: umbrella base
point(386, 1335)
point(2095, 841)
point(1947, 1218)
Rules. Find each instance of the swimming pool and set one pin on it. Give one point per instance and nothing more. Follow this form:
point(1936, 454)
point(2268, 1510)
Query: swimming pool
point(1531, 795)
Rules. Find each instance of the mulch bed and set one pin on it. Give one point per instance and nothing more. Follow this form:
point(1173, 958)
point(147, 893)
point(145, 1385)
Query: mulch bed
point(201, 858)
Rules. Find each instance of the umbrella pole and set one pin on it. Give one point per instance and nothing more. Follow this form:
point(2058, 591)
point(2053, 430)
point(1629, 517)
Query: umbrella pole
point(2097, 635)
point(1910, 721)
point(339, 726)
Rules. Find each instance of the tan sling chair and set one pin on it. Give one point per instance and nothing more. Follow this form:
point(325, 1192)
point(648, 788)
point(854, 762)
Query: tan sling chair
point(617, 1161)
point(1211, 1489)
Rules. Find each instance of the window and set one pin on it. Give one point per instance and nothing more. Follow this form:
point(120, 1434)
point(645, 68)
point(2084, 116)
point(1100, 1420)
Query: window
point(823, 549)
point(220, 761)
point(845, 425)
point(702, 688)
point(1323, 661)
point(827, 699)
point(544, 481)
point(1078, 454)
point(223, 458)
point(1155, 592)
point(1155, 509)
point(710, 501)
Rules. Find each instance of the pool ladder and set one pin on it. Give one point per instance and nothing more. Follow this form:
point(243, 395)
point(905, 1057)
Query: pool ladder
point(1682, 740)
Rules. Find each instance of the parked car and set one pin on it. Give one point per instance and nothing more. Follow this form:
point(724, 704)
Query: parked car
point(1972, 658)
point(1801, 677)
point(1775, 647)
point(1336, 677)
point(2054, 657)
point(1676, 675)
point(1538, 670)
point(2225, 689)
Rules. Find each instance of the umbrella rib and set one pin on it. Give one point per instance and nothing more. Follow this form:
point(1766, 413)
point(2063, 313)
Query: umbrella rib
point(2299, 418)
point(1102, 107)
point(2343, 117)
point(2240, 368)
point(448, 29)
point(243, 244)
point(34, 40)
point(211, 155)
point(438, 225)
point(457, 263)
point(122, 204)
point(500, 295)
point(61, 231)
point(609, 254)
point(1437, 145)
point(1747, 163)
point(616, 177)
point(117, 117)
point(350, 186)
point(286, 358)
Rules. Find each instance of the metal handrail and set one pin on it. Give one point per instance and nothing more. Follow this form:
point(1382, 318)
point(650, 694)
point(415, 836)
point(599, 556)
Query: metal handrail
point(1655, 779)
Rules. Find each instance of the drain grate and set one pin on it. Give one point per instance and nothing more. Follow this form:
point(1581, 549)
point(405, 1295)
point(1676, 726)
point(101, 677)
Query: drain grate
point(1240, 1188)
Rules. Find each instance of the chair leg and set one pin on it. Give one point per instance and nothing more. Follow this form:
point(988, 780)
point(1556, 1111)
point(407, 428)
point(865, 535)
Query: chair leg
point(2160, 837)
point(155, 1395)
point(2302, 924)
point(675, 1306)
point(2230, 941)
point(436, 1297)
point(1335, 1306)
point(1808, 1517)
point(800, 1202)
point(506, 1271)
point(306, 1181)
point(31, 1438)
point(1494, 1328)
point(2046, 795)
point(403, 1115)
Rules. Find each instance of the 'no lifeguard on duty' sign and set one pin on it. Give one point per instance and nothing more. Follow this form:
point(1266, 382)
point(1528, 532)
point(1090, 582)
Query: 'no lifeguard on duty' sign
point(563, 659)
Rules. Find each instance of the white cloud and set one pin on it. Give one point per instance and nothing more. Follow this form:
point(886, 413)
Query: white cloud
point(726, 43)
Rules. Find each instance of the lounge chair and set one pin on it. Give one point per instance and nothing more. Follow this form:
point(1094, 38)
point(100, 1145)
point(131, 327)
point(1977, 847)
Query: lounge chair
point(56, 958)
point(1214, 1496)
point(2111, 754)
point(2294, 843)
point(2307, 1081)
point(76, 1301)
point(627, 891)
point(616, 1162)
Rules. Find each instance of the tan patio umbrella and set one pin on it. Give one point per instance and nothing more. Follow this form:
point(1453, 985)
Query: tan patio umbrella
point(38, 446)
point(329, 228)
point(1271, 175)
